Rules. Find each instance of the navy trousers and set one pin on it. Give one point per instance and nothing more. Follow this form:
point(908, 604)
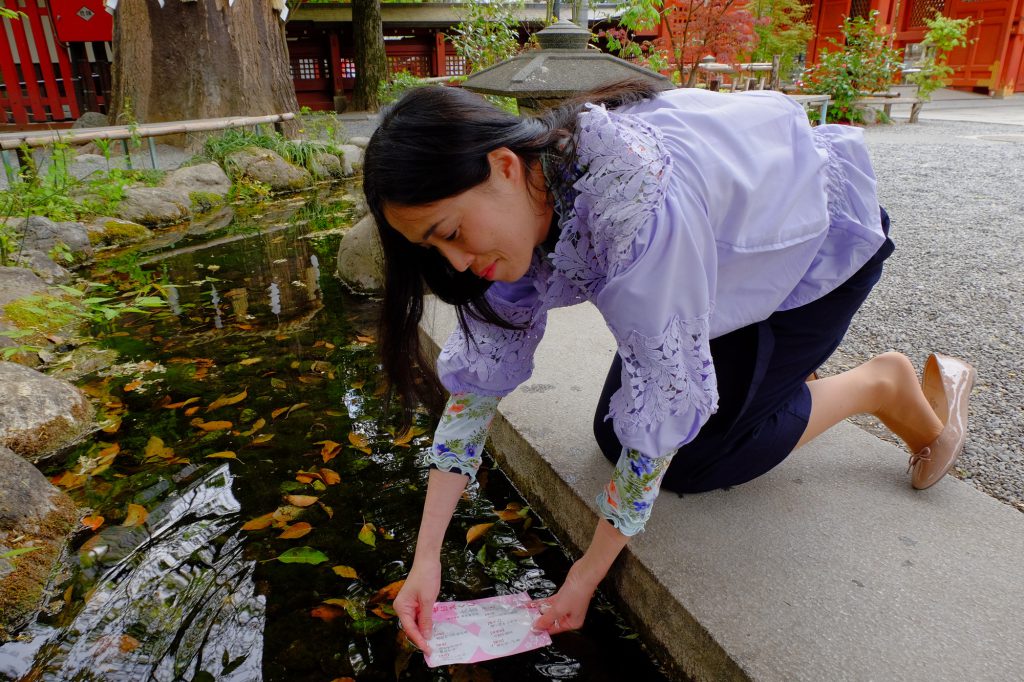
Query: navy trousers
point(763, 399)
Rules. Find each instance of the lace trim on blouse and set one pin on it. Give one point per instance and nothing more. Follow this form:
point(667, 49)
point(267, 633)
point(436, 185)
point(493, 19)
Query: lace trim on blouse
point(665, 375)
point(623, 171)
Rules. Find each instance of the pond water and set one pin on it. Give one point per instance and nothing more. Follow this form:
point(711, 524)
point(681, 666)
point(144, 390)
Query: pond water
point(242, 431)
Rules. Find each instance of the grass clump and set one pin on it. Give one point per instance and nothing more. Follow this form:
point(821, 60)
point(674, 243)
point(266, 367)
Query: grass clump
point(218, 148)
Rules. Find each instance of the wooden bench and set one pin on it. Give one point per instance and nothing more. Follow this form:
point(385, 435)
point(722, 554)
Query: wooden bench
point(888, 99)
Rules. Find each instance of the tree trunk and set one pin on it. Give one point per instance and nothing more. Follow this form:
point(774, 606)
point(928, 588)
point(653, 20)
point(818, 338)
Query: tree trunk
point(370, 59)
point(201, 59)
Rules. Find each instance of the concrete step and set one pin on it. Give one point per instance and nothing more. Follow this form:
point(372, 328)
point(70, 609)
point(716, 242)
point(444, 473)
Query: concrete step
point(828, 568)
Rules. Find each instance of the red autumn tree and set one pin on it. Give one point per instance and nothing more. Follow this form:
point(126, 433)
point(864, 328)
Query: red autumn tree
point(696, 28)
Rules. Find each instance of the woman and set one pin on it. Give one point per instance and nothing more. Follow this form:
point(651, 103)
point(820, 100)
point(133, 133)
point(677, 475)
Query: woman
point(727, 245)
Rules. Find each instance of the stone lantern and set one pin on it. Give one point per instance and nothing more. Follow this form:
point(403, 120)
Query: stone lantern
point(562, 68)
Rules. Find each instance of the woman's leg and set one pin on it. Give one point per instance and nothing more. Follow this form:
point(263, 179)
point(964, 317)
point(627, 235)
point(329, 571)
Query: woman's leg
point(885, 386)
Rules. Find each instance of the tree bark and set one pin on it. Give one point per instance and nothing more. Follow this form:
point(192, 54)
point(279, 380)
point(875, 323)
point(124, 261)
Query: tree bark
point(370, 59)
point(201, 59)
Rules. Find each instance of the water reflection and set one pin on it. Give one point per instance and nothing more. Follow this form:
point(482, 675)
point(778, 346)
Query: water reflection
point(175, 597)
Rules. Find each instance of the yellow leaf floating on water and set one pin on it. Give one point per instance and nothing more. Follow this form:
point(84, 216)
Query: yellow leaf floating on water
point(262, 438)
point(387, 593)
point(346, 572)
point(365, 339)
point(278, 412)
point(296, 530)
point(228, 400)
point(250, 361)
point(132, 385)
point(284, 515)
point(223, 455)
point(256, 426)
point(329, 476)
point(155, 449)
point(366, 535)
point(512, 512)
point(300, 500)
point(359, 442)
point(259, 523)
point(136, 516)
point(477, 532)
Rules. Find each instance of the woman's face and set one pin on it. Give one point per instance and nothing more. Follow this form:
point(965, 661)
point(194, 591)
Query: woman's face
point(491, 229)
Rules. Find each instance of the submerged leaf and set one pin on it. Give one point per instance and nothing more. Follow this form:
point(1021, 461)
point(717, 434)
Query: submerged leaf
point(250, 361)
point(477, 532)
point(330, 450)
point(327, 612)
point(222, 401)
point(329, 476)
point(136, 516)
point(259, 523)
point(223, 455)
point(300, 500)
point(296, 530)
point(302, 555)
point(366, 535)
point(183, 403)
point(387, 593)
point(359, 442)
point(345, 571)
point(93, 522)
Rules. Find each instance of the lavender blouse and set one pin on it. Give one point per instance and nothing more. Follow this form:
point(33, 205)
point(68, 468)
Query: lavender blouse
point(691, 215)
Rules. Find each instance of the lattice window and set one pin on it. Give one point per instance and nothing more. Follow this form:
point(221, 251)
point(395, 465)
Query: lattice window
point(309, 68)
point(454, 65)
point(417, 65)
point(348, 68)
point(860, 8)
point(923, 9)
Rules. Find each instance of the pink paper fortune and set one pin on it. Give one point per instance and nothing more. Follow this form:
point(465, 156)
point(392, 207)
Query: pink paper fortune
point(482, 629)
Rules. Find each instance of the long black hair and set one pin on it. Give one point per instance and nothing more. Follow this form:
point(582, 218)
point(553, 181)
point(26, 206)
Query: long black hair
point(430, 145)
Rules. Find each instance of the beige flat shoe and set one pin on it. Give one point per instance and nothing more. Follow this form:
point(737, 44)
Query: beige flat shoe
point(947, 384)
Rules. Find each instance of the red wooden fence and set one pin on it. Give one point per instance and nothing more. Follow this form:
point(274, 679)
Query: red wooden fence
point(38, 82)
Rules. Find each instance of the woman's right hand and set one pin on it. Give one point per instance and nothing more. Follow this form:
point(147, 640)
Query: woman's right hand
point(415, 601)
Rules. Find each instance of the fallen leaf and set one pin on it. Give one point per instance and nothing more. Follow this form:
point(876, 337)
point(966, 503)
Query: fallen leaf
point(307, 476)
point(128, 644)
point(300, 500)
point(384, 611)
point(477, 532)
point(132, 385)
point(358, 384)
point(191, 411)
point(183, 403)
point(278, 412)
point(327, 510)
point(387, 593)
point(359, 442)
point(155, 449)
point(329, 450)
point(213, 426)
point(302, 555)
point(345, 571)
point(259, 523)
point(262, 438)
point(250, 361)
point(512, 512)
point(329, 476)
point(334, 413)
point(223, 455)
point(366, 535)
point(365, 339)
point(296, 530)
point(112, 426)
point(223, 401)
point(69, 480)
point(93, 522)
point(285, 514)
point(256, 426)
point(313, 380)
point(136, 516)
point(327, 612)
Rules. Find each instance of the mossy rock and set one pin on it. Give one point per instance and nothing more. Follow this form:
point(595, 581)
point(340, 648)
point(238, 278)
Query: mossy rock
point(205, 201)
point(120, 232)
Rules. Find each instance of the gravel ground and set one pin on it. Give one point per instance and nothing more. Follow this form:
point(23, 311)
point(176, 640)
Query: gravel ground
point(955, 284)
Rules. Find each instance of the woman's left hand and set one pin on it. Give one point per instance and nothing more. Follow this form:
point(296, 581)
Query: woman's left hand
point(567, 608)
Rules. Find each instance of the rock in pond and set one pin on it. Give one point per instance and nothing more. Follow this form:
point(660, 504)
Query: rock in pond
point(326, 166)
point(268, 167)
point(18, 283)
point(42, 234)
point(44, 266)
point(205, 178)
point(116, 231)
point(154, 206)
point(360, 257)
point(353, 160)
point(35, 520)
point(361, 142)
point(38, 413)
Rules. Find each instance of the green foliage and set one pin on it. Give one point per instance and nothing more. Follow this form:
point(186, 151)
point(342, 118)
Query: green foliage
point(780, 30)
point(321, 125)
point(397, 85)
point(866, 63)
point(61, 252)
point(249, 191)
point(944, 34)
point(487, 34)
point(299, 152)
point(9, 240)
point(46, 313)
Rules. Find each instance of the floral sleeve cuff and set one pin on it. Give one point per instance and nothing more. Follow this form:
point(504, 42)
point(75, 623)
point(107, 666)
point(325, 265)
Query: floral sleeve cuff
point(461, 433)
point(627, 499)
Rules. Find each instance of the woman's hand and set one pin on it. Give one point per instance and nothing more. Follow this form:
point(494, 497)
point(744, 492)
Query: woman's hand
point(567, 608)
point(415, 601)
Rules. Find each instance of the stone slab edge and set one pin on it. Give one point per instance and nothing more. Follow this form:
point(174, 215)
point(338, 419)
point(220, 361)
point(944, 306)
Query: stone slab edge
point(818, 570)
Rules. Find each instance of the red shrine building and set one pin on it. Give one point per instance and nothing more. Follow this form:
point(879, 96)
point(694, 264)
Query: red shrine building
point(55, 60)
